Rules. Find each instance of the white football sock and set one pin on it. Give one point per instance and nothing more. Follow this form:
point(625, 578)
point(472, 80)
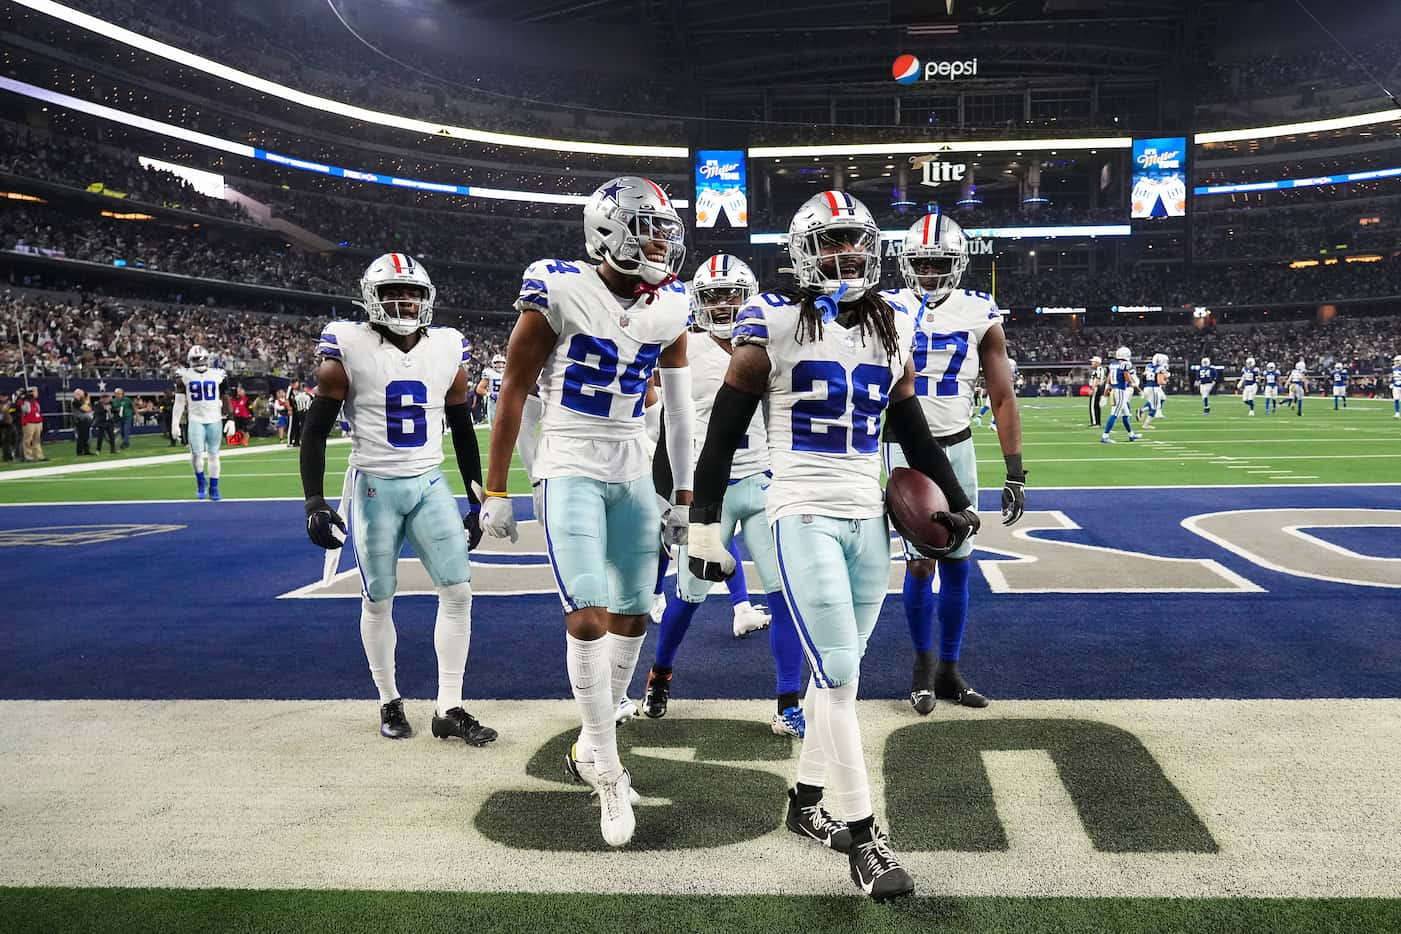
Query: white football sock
point(212, 459)
point(378, 635)
point(812, 758)
point(622, 655)
point(589, 677)
point(847, 789)
point(452, 633)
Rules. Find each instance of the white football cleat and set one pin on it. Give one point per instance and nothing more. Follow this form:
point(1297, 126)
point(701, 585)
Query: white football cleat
point(615, 817)
point(749, 618)
point(658, 607)
point(627, 710)
point(1105, 439)
point(1134, 436)
point(583, 772)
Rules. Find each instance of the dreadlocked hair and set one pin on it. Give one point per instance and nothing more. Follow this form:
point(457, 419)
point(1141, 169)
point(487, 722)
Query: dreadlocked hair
point(873, 315)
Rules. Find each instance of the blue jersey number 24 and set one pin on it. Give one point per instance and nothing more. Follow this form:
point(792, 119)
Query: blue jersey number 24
point(598, 377)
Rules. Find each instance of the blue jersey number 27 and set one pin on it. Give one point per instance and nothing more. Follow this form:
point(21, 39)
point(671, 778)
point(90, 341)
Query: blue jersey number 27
point(924, 345)
point(404, 401)
point(866, 409)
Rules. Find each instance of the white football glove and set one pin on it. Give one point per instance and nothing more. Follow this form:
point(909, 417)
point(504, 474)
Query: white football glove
point(706, 554)
point(499, 518)
point(175, 432)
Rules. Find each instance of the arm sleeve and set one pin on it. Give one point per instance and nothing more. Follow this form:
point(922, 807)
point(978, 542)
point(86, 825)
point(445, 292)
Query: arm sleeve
point(679, 416)
point(907, 424)
point(179, 409)
point(464, 445)
point(661, 467)
point(529, 438)
point(317, 428)
point(729, 420)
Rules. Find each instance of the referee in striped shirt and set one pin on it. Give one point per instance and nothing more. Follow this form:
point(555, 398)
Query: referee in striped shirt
point(1097, 377)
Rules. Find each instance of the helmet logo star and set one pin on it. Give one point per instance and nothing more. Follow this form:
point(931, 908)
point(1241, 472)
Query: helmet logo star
point(613, 189)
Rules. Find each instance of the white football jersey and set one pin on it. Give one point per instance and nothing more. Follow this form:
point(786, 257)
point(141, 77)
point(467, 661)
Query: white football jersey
point(493, 383)
point(202, 391)
point(709, 363)
point(395, 403)
point(594, 384)
point(945, 352)
point(823, 409)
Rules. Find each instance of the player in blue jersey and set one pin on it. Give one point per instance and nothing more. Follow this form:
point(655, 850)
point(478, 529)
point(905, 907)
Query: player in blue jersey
point(1122, 381)
point(957, 333)
point(1396, 386)
point(1249, 382)
point(590, 336)
point(1206, 381)
point(1271, 388)
point(829, 362)
point(1339, 386)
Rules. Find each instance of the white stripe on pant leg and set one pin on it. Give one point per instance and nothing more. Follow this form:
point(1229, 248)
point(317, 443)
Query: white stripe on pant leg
point(809, 649)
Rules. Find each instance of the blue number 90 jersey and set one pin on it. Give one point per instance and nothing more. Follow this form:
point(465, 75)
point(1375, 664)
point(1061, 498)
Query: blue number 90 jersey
point(823, 408)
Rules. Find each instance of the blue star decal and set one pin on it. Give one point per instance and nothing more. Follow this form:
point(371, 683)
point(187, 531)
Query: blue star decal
point(613, 189)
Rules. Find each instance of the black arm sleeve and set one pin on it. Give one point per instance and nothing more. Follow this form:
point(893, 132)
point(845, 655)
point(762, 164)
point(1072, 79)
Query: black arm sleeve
point(315, 430)
point(729, 420)
point(464, 444)
point(907, 424)
point(661, 467)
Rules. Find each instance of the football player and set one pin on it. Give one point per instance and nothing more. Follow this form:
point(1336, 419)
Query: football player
point(1248, 381)
point(1271, 388)
point(955, 331)
point(1122, 381)
point(399, 380)
point(1159, 387)
point(980, 401)
point(1148, 386)
point(1298, 387)
point(489, 386)
point(720, 288)
point(590, 337)
point(827, 361)
point(200, 384)
point(1396, 386)
point(1206, 381)
point(1339, 386)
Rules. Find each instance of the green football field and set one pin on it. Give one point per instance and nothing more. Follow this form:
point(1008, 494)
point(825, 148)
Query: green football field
point(1361, 444)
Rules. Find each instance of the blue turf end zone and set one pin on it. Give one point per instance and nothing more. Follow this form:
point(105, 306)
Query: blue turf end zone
point(192, 613)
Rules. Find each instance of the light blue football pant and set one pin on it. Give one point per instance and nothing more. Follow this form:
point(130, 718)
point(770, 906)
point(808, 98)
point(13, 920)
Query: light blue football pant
point(490, 410)
point(205, 437)
point(384, 511)
point(835, 573)
point(602, 542)
point(965, 467)
point(743, 505)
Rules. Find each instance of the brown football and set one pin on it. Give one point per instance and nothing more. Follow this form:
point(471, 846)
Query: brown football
point(912, 499)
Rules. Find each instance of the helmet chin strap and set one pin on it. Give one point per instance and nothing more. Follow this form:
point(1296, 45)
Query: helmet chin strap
point(648, 291)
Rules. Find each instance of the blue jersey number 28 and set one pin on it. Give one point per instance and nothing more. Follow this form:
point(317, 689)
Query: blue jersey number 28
point(404, 401)
point(595, 367)
point(866, 408)
point(924, 345)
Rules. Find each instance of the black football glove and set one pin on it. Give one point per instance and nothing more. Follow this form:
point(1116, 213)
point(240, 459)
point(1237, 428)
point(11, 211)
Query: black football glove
point(321, 523)
point(1013, 498)
point(472, 522)
point(961, 526)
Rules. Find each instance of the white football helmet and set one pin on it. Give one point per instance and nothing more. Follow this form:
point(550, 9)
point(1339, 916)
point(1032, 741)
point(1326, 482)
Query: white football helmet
point(1206, 361)
point(1249, 361)
point(1299, 365)
point(834, 244)
point(1396, 360)
point(1123, 354)
point(1337, 366)
point(1013, 364)
point(1161, 359)
point(402, 315)
point(934, 256)
point(626, 214)
point(498, 362)
point(1271, 367)
point(719, 289)
point(198, 358)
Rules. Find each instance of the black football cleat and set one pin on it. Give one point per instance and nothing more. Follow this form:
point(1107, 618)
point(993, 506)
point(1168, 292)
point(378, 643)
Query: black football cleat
point(658, 692)
point(877, 872)
point(392, 722)
point(458, 722)
point(922, 684)
point(950, 686)
point(813, 821)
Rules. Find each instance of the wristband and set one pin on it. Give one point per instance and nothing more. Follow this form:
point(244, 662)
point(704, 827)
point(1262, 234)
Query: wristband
point(497, 495)
point(1014, 465)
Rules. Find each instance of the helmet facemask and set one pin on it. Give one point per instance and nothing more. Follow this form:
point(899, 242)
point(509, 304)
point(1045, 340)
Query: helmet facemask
point(838, 259)
point(932, 271)
point(717, 305)
point(402, 307)
point(662, 235)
